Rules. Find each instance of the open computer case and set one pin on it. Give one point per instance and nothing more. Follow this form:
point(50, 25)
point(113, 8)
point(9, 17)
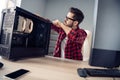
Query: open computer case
point(16, 43)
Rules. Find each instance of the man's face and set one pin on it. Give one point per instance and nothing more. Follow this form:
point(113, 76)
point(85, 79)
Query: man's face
point(69, 21)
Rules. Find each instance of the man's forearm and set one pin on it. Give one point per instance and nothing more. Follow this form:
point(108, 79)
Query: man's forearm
point(66, 28)
point(61, 25)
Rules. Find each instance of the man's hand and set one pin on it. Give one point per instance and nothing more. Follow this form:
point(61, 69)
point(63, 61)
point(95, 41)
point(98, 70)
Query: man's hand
point(57, 23)
point(61, 25)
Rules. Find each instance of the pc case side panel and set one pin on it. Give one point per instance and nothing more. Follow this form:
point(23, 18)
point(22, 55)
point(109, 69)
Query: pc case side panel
point(33, 44)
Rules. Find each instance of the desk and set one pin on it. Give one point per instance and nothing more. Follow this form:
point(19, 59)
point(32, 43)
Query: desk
point(47, 68)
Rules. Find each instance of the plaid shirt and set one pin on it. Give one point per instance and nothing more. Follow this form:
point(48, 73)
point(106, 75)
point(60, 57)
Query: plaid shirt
point(74, 43)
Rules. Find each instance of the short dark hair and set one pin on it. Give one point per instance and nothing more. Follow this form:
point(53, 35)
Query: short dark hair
point(78, 14)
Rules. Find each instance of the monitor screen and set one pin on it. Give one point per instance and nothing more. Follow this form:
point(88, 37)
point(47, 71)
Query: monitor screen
point(106, 40)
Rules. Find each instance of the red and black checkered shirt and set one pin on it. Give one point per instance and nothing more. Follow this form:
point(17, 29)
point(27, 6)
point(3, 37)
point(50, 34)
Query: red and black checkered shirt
point(74, 43)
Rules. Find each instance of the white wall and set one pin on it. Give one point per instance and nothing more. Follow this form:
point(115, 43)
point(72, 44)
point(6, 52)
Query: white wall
point(35, 6)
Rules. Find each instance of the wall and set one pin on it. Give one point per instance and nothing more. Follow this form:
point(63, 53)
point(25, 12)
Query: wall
point(35, 6)
point(57, 9)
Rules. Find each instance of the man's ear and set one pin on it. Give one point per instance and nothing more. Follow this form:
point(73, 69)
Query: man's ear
point(75, 23)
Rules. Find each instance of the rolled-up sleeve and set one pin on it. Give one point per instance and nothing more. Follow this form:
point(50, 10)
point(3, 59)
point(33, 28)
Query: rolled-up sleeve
point(55, 28)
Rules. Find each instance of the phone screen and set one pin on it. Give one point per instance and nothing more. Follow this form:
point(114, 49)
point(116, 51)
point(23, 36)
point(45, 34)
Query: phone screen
point(17, 73)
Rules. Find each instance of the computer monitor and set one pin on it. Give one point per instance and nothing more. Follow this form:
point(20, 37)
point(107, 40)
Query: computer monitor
point(106, 39)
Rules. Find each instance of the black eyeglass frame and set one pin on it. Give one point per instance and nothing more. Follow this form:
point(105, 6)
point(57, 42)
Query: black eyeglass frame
point(70, 18)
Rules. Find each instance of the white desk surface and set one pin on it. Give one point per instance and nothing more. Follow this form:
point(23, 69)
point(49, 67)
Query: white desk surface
point(48, 68)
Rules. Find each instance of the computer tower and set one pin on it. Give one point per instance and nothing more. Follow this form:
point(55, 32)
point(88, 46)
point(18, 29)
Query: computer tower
point(17, 42)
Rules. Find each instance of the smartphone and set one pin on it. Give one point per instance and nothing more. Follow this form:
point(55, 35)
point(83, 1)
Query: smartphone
point(17, 73)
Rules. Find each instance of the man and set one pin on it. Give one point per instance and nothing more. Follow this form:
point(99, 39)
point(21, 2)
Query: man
point(71, 37)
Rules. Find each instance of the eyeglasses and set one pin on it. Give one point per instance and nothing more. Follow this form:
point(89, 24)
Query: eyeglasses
point(70, 18)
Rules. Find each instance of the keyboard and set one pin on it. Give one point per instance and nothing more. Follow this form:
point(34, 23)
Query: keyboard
point(99, 72)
